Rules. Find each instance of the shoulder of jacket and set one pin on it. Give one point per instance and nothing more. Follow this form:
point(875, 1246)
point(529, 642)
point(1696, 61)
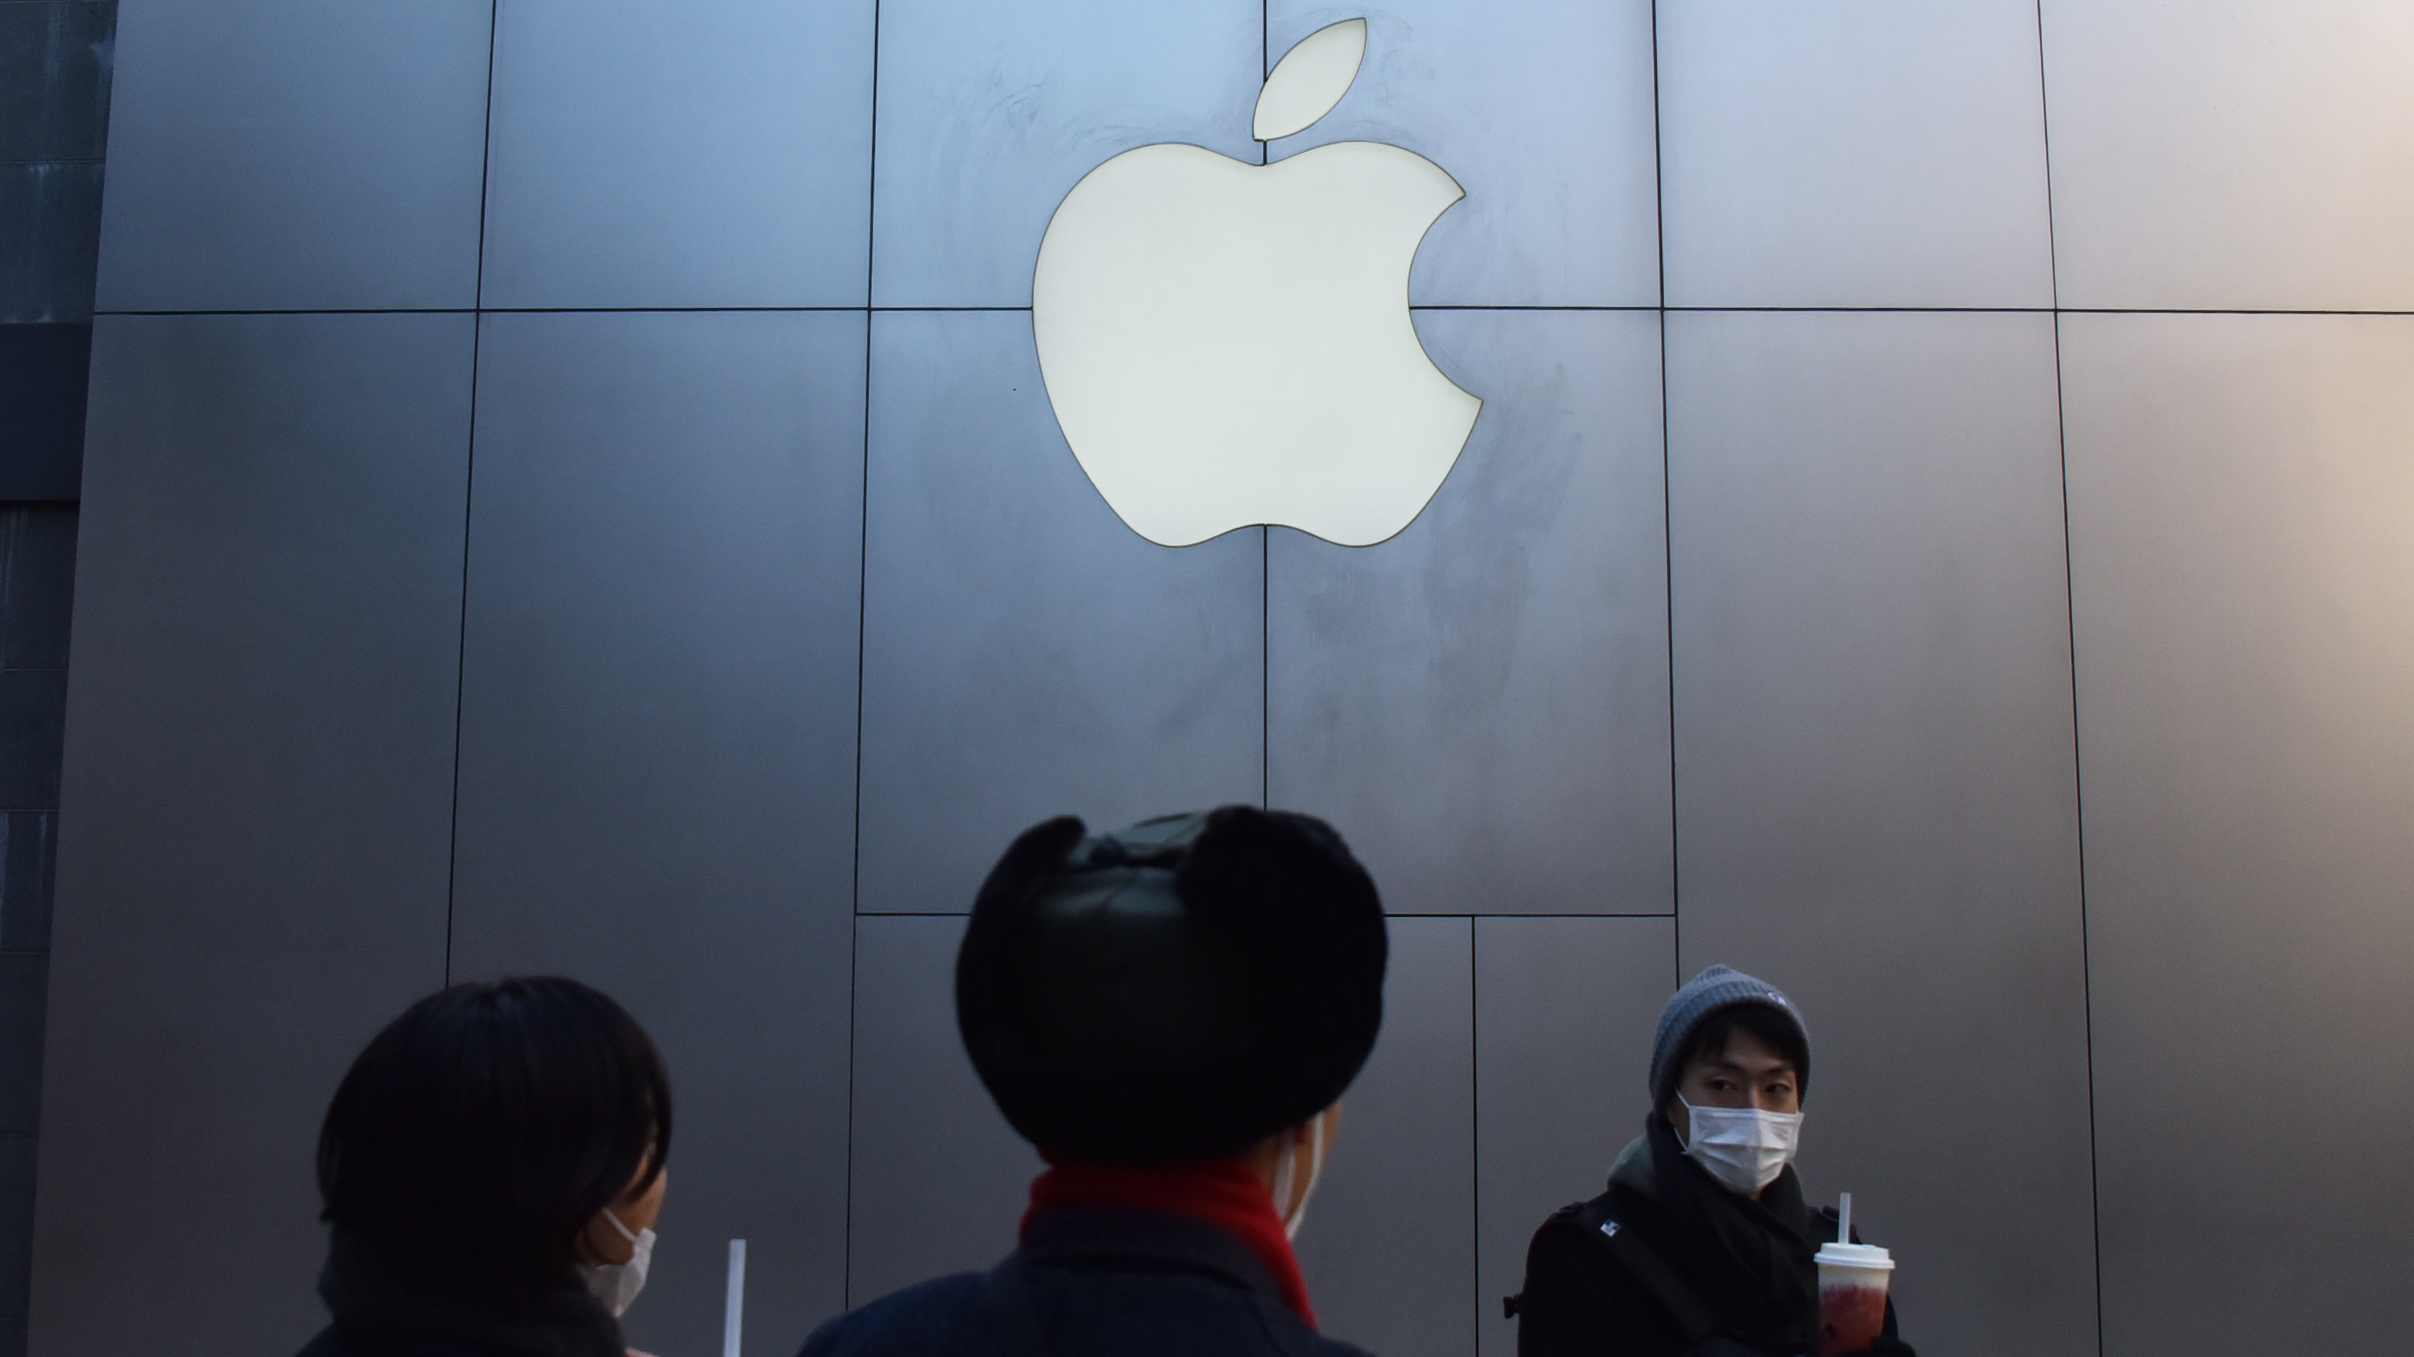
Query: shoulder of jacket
point(1288, 1334)
point(905, 1320)
point(1590, 1206)
point(1617, 1220)
point(1579, 1227)
point(1614, 1207)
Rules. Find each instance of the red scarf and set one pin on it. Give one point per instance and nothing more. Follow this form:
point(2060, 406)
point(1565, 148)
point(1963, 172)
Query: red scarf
point(1226, 1193)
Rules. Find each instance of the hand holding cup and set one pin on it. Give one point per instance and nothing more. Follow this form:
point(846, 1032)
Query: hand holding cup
point(1852, 1289)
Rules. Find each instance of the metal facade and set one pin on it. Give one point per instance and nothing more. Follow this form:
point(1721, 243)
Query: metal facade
point(638, 543)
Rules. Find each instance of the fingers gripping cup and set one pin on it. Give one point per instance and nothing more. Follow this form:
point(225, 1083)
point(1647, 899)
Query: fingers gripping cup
point(1852, 1289)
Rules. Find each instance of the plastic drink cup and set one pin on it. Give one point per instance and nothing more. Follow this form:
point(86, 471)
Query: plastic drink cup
point(1852, 1296)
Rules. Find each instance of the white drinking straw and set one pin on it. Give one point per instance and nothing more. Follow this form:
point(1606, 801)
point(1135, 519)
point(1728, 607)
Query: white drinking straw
point(733, 1320)
point(1843, 1232)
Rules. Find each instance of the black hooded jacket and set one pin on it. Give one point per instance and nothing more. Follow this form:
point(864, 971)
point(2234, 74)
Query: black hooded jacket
point(384, 1306)
point(1669, 1263)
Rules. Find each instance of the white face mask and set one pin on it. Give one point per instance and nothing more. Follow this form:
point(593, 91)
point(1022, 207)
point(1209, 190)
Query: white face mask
point(1744, 1148)
point(1286, 1174)
point(617, 1284)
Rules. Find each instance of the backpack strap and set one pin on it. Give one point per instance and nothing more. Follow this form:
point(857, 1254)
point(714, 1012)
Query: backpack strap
point(1623, 1221)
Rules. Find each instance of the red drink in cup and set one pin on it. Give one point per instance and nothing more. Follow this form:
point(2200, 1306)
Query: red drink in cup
point(1852, 1296)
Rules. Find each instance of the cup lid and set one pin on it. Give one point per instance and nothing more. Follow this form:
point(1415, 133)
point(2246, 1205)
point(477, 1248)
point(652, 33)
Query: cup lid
point(1854, 1255)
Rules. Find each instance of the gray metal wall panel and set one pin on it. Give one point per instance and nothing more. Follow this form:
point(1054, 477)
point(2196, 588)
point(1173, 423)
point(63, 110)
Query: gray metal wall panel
point(291, 155)
point(1482, 701)
point(2240, 490)
point(1025, 654)
point(1564, 1012)
point(1388, 1243)
point(658, 750)
point(989, 114)
point(2232, 155)
point(1875, 779)
point(1541, 111)
point(679, 155)
point(1866, 153)
point(939, 1179)
point(258, 800)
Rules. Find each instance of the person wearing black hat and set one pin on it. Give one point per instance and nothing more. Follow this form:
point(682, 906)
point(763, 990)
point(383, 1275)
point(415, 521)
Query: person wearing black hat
point(1170, 1014)
point(1702, 1245)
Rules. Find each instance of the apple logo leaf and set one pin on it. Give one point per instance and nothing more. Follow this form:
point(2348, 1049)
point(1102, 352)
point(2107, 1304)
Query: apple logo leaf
point(1310, 79)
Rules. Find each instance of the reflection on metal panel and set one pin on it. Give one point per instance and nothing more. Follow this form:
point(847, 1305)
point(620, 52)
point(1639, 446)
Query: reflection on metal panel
point(258, 797)
point(2241, 497)
point(1025, 654)
point(1482, 701)
point(940, 1179)
point(1876, 801)
point(1387, 1263)
point(288, 154)
point(2235, 155)
point(1542, 110)
point(990, 114)
point(673, 155)
point(658, 748)
point(1864, 153)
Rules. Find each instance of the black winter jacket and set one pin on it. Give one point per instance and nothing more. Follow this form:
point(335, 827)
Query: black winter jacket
point(1668, 1263)
point(389, 1307)
point(1090, 1283)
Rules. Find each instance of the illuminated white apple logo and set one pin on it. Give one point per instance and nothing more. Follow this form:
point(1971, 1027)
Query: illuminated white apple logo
point(1228, 344)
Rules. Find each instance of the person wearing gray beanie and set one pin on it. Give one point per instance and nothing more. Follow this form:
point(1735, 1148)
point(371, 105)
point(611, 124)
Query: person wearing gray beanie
point(1703, 1244)
point(1717, 990)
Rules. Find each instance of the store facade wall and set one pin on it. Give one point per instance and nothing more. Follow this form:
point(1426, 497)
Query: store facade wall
point(571, 488)
point(55, 65)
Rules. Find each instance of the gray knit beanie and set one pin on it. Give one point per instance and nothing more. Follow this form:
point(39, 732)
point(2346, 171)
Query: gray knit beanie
point(1716, 988)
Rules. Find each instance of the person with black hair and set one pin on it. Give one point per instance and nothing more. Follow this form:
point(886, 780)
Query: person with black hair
point(491, 1168)
point(1170, 1014)
point(1702, 1245)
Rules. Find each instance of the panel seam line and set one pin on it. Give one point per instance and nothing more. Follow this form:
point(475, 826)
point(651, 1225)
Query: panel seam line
point(469, 476)
point(2070, 604)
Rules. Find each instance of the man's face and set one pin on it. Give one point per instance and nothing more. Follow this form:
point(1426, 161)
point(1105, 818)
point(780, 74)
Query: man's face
point(1746, 1074)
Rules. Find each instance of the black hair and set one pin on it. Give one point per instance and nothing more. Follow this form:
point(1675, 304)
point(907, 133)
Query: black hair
point(488, 1125)
point(1775, 1030)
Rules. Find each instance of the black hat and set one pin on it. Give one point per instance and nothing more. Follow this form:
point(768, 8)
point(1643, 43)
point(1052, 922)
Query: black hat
point(1175, 991)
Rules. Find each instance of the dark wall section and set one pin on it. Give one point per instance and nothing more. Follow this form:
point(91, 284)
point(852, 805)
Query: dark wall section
point(55, 65)
point(268, 631)
point(43, 370)
point(37, 580)
point(54, 100)
point(658, 746)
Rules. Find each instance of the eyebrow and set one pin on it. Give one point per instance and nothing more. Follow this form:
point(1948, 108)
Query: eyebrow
point(1725, 1064)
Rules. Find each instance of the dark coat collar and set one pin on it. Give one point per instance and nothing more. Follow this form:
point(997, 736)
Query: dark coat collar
point(1079, 1236)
